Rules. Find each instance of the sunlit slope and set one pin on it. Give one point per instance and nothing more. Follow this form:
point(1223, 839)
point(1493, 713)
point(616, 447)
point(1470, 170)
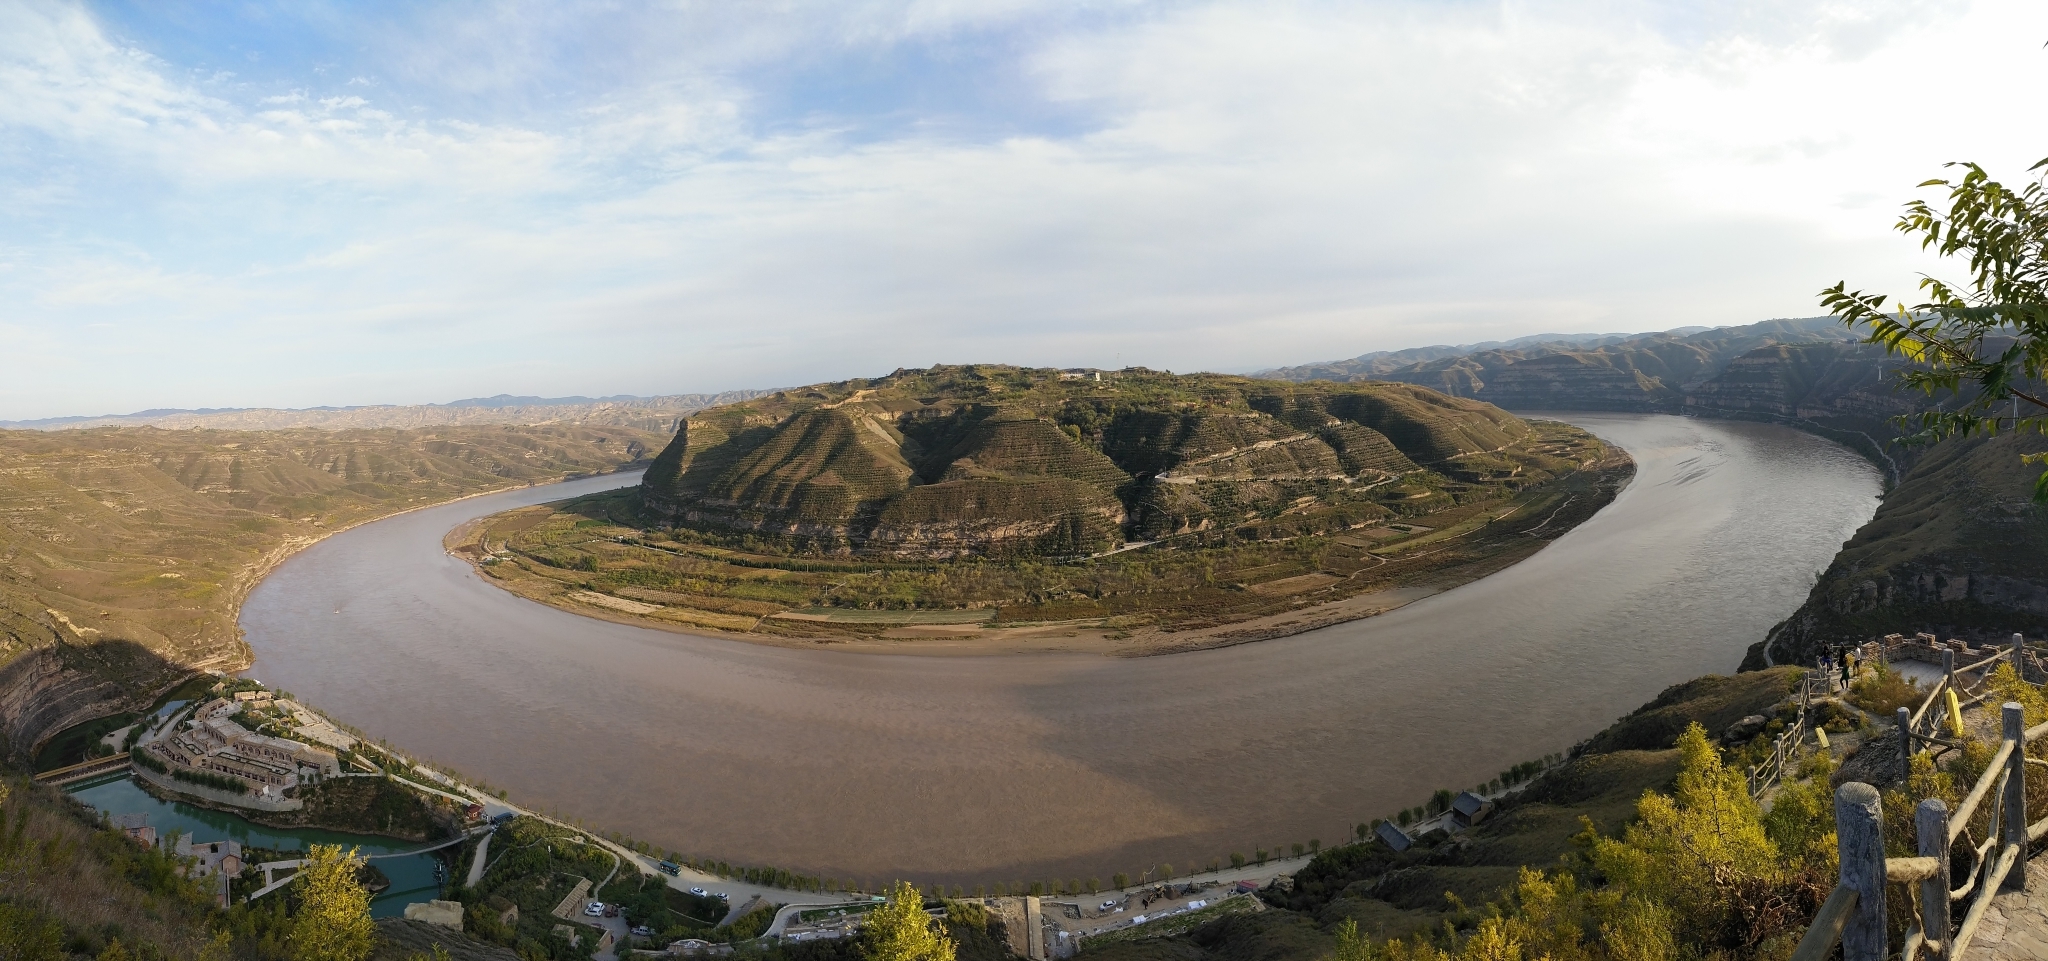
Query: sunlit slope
point(124, 551)
point(1005, 460)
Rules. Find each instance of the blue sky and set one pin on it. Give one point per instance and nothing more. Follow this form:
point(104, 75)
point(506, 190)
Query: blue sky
point(295, 204)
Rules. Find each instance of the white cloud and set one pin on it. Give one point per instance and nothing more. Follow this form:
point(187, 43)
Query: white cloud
point(1233, 186)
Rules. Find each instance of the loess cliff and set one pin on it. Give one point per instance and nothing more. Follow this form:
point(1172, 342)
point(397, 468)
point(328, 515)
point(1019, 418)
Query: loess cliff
point(1004, 461)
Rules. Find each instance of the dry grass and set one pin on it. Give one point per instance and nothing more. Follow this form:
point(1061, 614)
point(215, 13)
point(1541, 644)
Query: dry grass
point(98, 884)
point(146, 540)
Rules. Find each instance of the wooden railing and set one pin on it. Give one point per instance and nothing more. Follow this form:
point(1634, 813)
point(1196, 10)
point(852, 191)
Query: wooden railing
point(1854, 914)
point(1813, 686)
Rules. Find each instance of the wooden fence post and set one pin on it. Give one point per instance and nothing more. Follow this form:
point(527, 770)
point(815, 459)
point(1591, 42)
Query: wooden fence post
point(1948, 667)
point(1859, 840)
point(2014, 830)
point(1930, 822)
point(2019, 653)
point(1905, 743)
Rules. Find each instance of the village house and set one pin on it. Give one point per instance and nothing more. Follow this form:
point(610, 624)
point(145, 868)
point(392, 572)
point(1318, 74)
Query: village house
point(1468, 809)
point(210, 858)
point(135, 827)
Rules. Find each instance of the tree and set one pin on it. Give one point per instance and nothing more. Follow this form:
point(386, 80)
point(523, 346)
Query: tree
point(333, 920)
point(899, 930)
point(1350, 945)
point(1984, 341)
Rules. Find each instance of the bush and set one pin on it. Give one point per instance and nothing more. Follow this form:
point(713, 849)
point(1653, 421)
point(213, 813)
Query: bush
point(1883, 691)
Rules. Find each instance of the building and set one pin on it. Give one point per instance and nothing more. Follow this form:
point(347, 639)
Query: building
point(1392, 836)
point(217, 708)
point(135, 827)
point(1468, 809)
point(271, 765)
point(223, 858)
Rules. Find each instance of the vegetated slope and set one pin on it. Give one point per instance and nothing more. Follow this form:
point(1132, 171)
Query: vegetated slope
point(1652, 372)
point(124, 553)
point(1005, 461)
point(657, 414)
point(1392, 895)
point(1958, 547)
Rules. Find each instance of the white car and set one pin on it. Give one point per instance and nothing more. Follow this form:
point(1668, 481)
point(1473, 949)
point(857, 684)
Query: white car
point(699, 892)
point(594, 909)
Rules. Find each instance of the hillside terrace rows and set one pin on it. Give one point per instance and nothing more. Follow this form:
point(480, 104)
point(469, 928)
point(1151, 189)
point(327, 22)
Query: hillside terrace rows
point(1004, 461)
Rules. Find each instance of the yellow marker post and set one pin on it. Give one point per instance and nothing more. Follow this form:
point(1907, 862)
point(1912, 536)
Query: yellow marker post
point(1823, 735)
point(1955, 714)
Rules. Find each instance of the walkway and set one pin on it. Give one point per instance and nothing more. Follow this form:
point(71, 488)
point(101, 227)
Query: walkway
point(2016, 926)
point(476, 862)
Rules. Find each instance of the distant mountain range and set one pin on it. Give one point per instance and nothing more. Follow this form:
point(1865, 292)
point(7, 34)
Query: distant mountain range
point(660, 413)
point(1631, 372)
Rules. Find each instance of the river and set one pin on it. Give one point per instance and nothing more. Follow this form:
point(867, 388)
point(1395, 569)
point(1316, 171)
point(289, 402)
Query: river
point(1040, 766)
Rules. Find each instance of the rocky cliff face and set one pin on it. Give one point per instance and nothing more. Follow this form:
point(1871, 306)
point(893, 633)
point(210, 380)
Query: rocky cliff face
point(1005, 461)
point(1958, 548)
point(1814, 381)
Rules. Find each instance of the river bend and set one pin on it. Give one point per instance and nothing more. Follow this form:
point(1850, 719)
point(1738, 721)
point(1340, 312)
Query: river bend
point(1029, 767)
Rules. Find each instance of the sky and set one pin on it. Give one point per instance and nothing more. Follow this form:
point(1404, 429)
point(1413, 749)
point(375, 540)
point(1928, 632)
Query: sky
point(299, 204)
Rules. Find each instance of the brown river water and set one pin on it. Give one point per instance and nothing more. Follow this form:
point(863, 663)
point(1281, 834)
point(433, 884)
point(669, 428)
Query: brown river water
point(1038, 766)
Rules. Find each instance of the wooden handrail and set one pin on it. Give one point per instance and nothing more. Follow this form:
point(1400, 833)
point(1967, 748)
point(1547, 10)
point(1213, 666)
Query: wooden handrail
point(1826, 930)
point(1994, 772)
point(1975, 916)
point(1902, 870)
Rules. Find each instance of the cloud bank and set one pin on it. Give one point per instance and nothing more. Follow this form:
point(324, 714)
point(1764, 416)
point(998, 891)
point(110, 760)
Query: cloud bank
point(303, 205)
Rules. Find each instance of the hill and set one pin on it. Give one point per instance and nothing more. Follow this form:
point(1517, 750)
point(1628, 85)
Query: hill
point(1128, 512)
point(1644, 372)
point(657, 414)
point(125, 552)
point(1004, 461)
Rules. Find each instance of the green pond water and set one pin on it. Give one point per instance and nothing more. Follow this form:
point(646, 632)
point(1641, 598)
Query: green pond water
point(412, 878)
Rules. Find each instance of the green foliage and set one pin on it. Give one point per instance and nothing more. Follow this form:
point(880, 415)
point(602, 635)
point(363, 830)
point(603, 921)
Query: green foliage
point(1981, 344)
point(333, 918)
point(1882, 691)
point(29, 935)
point(900, 930)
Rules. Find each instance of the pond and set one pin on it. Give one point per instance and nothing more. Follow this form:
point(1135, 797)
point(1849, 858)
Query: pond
point(412, 878)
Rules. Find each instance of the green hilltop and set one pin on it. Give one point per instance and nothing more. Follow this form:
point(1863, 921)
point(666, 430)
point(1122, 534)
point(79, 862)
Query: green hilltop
point(1002, 460)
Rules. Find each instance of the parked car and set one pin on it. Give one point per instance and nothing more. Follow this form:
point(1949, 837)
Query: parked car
point(699, 892)
point(594, 909)
point(642, 931)
point(503, 817)
point(669, 868)
point(611, 910)
point(1106, 905)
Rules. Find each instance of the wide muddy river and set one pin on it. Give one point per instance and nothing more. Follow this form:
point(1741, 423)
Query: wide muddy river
point(970, 769)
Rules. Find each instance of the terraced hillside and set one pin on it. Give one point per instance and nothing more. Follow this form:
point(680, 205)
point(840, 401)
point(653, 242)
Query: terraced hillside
point(1004, 461)
point(125, 552)
point(1137, 513)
